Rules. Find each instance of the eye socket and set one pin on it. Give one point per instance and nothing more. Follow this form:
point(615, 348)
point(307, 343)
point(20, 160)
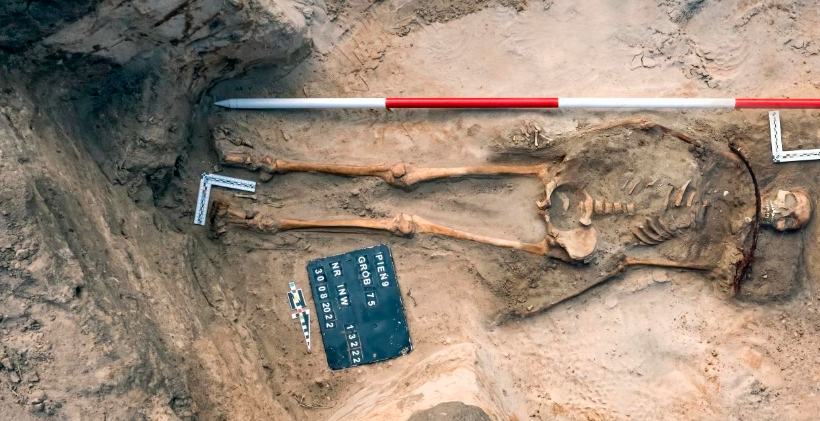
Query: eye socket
point(791, 201)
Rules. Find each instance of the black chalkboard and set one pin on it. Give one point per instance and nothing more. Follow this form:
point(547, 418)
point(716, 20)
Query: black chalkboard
point(359, 307)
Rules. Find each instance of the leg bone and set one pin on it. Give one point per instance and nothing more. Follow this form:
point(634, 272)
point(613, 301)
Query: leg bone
point(404, 175)
point(572, 245)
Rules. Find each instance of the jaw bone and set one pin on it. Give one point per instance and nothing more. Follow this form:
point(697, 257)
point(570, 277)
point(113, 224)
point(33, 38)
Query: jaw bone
point(787, 210)
point(572, 245)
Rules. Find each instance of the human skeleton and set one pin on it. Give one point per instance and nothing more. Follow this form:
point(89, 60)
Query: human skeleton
point(785, 210)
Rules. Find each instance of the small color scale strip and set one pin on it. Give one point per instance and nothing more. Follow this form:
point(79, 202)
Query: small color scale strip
point(488, 103)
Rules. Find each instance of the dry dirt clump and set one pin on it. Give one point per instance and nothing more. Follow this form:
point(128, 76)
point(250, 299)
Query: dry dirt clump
point(431, 11)
point(451, 411)
point(413, 14)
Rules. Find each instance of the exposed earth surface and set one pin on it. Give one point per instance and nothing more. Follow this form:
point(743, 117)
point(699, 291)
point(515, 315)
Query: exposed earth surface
point(115, 306)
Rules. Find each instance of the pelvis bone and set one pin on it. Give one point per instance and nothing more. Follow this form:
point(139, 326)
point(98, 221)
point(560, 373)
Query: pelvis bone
point(572, 245)
point(787, 210)
point(400, 174)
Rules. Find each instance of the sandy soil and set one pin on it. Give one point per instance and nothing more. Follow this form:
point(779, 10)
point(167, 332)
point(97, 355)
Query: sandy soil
point(518, 336)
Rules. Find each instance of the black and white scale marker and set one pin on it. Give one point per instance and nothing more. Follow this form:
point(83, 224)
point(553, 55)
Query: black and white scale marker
point(297, 305)
point(359, 307)
point(778, 154)
point(204, 195)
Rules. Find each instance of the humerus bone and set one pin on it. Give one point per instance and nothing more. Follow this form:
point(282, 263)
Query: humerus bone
point(637, 123)
point(631, 262)
point(402, 174)
point(624, 265)
point(577, 244)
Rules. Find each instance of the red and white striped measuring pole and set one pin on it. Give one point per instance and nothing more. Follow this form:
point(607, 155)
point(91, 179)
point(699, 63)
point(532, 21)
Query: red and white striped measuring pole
point(488, 103)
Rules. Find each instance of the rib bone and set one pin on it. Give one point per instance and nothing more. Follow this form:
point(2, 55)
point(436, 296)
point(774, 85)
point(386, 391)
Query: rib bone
point(669, 196)
point(649, 233)
point(572, 245)
point(663, 226)
point(642, 238)
point(402, 174)
point(653, 232)
point(689, 199)
point(681, 192)
point(657, 228)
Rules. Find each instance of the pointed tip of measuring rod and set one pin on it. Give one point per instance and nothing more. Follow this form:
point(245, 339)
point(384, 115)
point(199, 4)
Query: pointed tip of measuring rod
point(224, 103)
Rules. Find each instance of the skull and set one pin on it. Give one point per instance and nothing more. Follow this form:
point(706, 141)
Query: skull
point(788, 210)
